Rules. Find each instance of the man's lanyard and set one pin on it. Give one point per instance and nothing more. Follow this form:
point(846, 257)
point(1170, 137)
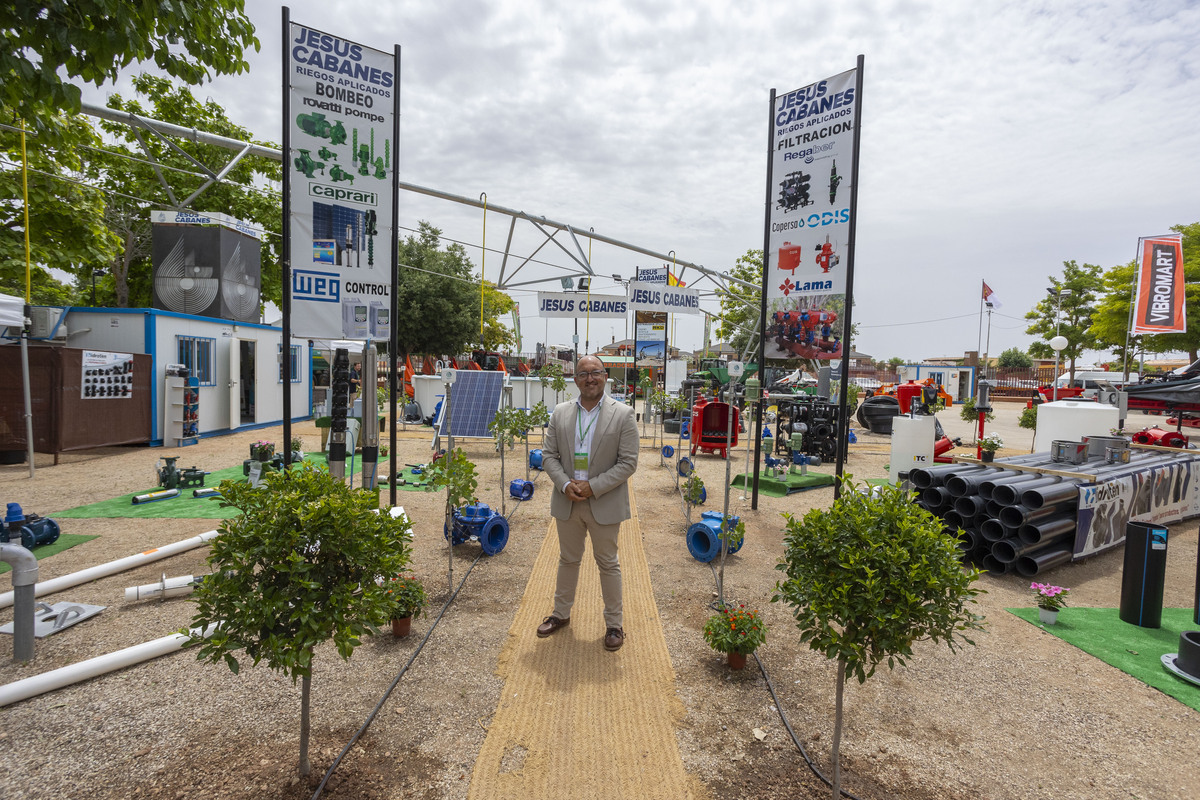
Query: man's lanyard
point(582, 456)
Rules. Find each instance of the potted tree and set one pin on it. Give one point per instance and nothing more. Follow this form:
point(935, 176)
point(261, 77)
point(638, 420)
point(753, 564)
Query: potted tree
point(736, 631)
point(297, 567)
point(409, 600)
point(988, 446)
point(869, 577)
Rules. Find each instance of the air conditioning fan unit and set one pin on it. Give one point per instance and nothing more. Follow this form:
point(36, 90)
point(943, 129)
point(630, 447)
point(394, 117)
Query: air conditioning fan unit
point(42, 323)
point(207, 271)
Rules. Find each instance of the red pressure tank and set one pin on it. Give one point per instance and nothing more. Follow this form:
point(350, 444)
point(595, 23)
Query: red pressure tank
point(789, 257)
point(905, 393)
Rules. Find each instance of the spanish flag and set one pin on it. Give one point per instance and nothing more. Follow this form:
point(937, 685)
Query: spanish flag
point(673, 281)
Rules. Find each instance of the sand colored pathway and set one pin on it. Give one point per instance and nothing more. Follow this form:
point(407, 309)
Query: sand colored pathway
point(576, 721)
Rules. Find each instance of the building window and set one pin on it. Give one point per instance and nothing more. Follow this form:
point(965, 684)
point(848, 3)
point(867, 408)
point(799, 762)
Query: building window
point(196, 353)
point(293, 359)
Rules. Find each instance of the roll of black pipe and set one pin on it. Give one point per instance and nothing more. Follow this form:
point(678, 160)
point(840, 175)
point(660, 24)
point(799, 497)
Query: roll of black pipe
point(963, 485)
point(1010, 494)
point(1005, 550)
point(1063, 492)
point(993, 564)
point(924, 477)
point(1048, 528)
point(935, 495)
point(954, 519)
point(987, 489)
point(1016, 516)
point(1020, 548)
point(993, 531)
point(1041, 561)
point(969, 506)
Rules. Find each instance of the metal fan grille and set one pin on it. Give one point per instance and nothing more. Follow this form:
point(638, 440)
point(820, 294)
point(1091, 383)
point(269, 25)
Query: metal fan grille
point(181, 285)
point(239, 290)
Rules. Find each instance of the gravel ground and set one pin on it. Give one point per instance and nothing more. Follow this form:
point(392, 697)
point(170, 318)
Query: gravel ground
point(1021, 715)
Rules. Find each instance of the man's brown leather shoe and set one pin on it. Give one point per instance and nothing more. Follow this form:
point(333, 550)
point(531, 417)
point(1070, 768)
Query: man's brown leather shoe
point(614, 638)
point(550, 625)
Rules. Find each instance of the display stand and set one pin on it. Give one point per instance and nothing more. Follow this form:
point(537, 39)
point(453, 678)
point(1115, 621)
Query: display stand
point(182, 411)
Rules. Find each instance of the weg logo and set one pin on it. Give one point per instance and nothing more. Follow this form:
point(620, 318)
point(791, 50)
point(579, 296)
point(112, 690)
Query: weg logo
point(320, 287)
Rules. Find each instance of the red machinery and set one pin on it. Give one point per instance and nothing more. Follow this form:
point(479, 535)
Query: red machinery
point(825, 256)
point(1160, 437)
point(710, 427)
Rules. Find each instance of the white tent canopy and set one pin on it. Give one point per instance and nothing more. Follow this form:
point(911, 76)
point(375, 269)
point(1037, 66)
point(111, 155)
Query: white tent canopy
point(12, 311)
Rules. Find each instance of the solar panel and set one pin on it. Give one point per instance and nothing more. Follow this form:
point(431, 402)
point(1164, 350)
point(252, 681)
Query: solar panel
point(474, 400)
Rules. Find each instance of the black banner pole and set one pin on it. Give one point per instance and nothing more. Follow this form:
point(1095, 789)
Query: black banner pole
point(285, 254)
point(762, 307)
point(847, 342)
point(394, 338)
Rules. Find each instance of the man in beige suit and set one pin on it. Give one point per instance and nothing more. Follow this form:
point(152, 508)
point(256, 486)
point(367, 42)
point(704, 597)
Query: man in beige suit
point(591, 451)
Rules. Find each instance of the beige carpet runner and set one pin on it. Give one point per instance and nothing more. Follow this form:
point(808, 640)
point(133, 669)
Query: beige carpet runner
point(576, 721)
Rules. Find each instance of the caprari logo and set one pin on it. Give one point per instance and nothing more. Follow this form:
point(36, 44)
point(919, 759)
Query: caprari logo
point(321, 287)
point(343, 194)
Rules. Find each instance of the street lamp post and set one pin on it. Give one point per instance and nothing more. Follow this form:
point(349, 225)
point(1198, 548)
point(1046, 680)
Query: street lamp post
point(1058, 342)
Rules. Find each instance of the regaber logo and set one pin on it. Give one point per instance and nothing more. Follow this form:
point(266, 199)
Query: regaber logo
point(321, 287)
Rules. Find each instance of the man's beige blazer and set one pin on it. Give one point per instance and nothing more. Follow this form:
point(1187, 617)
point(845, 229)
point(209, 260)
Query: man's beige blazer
point(614, 459)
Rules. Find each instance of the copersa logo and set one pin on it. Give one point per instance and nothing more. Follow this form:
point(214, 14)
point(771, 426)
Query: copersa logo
point(342, 194)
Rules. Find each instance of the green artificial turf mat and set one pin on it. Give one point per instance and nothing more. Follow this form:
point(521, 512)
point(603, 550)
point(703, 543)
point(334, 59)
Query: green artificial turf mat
point(185, 506)
point(64, 541)
point(785, 483)
point(1134, 650)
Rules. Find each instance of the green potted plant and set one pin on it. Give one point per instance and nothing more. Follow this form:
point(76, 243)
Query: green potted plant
point(409, 600)
point(297, 449)
point(693, 494)
point(262, 450)
point(736, 631)
point(869, 577)
point(989, 444)
point(1050, 600)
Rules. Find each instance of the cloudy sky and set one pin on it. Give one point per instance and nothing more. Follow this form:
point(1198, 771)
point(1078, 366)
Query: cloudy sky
point(998, 138)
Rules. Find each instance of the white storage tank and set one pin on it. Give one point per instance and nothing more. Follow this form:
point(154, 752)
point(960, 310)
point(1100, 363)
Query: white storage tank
point(1072, 420)
point(912, 445)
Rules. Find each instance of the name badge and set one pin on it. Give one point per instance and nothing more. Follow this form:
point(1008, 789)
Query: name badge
point(581, 462)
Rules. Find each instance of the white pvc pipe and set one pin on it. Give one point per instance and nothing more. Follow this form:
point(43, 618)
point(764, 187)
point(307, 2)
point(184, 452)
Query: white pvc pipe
point(34, 685)
point(167, 587)
point(112, 568)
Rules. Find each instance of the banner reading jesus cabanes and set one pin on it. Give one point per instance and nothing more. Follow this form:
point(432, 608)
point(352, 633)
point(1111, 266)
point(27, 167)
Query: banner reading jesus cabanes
point(342, 169)
point(812, 159)
point(1160, 304)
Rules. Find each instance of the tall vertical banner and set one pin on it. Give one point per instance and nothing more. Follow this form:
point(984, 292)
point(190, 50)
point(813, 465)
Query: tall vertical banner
point(809, 211)
point(341, 172)
point(1160, 306)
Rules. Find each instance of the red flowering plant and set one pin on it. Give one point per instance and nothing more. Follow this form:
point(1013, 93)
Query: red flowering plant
point(1051, 598)
point(735, 629)
point(408, 595)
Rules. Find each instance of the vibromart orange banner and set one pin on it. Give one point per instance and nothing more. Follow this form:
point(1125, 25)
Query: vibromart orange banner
point(1160, 290)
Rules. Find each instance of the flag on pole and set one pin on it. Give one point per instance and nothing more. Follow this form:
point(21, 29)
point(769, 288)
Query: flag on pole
point(989, 296)
point(673, 281)
point(1161, 297)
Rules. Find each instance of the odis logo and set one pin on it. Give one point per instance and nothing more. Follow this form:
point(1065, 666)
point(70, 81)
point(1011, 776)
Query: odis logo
point(322, 287)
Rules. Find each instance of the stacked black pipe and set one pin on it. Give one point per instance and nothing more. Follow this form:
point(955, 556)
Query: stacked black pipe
point(1010, 520)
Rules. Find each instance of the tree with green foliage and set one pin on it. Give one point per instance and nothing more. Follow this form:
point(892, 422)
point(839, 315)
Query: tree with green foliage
point(437, 296)
point(1014, 358)
point(304, 563)
point(92, 40)
point(741, 306)
point(67, 228)
point(133, 188)
point(1077, 291)
point(870, 577)
point(1110, 323)
point(496, 304)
